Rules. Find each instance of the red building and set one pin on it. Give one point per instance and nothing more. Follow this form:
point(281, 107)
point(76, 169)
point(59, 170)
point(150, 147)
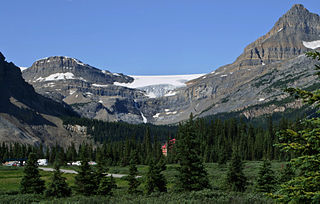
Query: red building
point(165, 147)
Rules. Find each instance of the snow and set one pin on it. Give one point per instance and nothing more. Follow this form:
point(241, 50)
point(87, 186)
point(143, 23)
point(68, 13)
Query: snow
point(23, 68)
point(175, 80)
point(156, 115)
point(170, 93)
point(100, 101)
point(57, 76)
point(171, 113)
point(166, 110)
point(116, 74)
point(261, 99)
point(151, 95)
point(100, 85)
point(224, 75)
point(312, 45)
point(263, 63)
point(144, 118)
point(280, 30)
point(72, 91)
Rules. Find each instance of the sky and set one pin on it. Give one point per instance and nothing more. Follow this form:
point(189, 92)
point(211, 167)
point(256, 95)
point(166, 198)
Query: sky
point(138, 37)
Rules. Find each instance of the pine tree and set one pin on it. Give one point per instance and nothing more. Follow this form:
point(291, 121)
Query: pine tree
point(236, 179)
point(31, 181)
point(155, 180)
point(305, 145)
point(58, 186)
point(106, 185)
point(192, 174)
point(266, 181)
point(287, 174)
point(85, 179)
point(133, 172)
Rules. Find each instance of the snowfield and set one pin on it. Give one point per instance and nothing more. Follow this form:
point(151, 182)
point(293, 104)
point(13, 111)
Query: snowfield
point(174, 80)
point(159, 85)
point(312, 45)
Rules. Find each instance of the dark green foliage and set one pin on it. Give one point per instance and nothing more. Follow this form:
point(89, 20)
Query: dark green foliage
point(304, 145)
point(236, 180)
point(266, 181)
point(106, 185)
point(58, 187)
point(132, 177)
point(155, 180)
point(85, 180)
point(287, 174)
point(192, 174)
point(31, 181)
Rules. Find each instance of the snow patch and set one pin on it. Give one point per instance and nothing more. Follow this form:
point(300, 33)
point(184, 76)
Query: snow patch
point(175, 80)
point(166, 110)
point(263, 63)
point(170, 93)
point(312, 45)
point(116, 74)
point(23, 68)
point(72, 91)
point(156, 115)
point(280, 30)
point(151, 95)
point(261, 99)
point(143, 118)
point(57, 76)
point(100, 101)
point(224, 75)
point(100, 85)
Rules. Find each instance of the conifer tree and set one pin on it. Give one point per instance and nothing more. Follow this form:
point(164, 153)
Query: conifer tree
point(236, 180)
point(85, 179)
point(58, 186)
point(155, 180)
point(287, 173)
point(132, 177)
point(192, 174)
point(305, 145)
point(266, 181)
point(106, 185)
point(31, 181)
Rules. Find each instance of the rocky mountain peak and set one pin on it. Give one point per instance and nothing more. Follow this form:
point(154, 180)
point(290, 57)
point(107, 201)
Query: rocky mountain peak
point(283, 41)
point(59, 68)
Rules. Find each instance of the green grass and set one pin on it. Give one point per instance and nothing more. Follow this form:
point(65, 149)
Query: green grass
point(10, 178)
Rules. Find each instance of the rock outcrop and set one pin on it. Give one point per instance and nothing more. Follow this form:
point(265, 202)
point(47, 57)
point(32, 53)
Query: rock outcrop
point(28, 117)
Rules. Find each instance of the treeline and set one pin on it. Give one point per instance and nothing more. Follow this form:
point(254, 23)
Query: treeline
point(102, 131)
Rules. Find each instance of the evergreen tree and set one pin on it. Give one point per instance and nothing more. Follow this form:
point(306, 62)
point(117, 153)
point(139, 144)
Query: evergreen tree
point(266, 181)
point(236, 179)
point(305, 145)
point(106, 185)
point(31, 181)
point(287, 174)
point(85, 179)
point(155, 180)
point(192, 174)
point(132, 177)
point(58, 186)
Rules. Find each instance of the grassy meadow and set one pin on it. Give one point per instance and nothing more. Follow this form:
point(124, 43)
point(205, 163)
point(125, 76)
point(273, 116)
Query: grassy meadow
point(10, 178)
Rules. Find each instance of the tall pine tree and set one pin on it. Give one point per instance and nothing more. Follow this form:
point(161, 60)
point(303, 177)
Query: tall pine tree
point(266, 181)
point(31, 181)
point(58, 187)
point(192, 174)
point(236, 180)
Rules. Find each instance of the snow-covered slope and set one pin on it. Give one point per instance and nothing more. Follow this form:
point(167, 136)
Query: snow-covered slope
point(159, 85)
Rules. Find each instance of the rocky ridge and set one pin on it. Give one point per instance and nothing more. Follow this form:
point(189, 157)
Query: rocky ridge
point(258, 76)
point(28, 117)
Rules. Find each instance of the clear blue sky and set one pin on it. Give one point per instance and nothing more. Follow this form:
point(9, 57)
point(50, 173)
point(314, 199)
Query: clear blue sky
point(138, 36)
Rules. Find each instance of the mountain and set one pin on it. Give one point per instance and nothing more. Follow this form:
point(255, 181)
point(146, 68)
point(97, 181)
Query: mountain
point(257, 77)
point(251, 86)
point(28, 117)
point(90, 91)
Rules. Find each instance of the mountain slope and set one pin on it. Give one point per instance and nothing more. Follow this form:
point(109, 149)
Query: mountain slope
point(26, 116)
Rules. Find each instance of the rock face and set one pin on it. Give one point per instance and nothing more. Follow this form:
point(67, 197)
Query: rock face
point(90, 91)
point(26, 116)
point(258, 76)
